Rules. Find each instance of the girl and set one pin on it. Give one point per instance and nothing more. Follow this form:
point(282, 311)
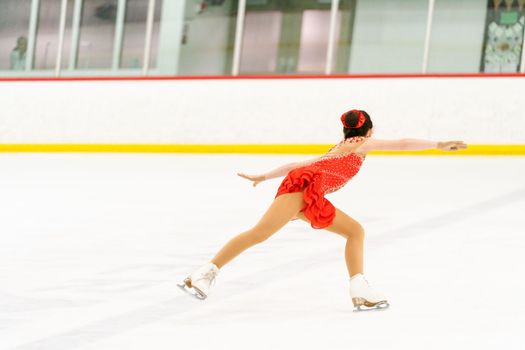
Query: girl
point(301, 196)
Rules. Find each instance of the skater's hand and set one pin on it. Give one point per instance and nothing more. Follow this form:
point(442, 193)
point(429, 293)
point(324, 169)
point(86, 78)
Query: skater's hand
point(255, 178)
point(451, 145)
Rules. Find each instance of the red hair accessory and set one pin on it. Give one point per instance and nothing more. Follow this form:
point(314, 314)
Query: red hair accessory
point(360, 122)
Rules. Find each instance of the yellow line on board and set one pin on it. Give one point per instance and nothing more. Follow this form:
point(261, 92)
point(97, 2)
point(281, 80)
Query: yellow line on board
point(473, 150)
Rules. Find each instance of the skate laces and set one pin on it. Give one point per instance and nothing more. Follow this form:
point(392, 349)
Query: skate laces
point(210, 276)
point(366, 281)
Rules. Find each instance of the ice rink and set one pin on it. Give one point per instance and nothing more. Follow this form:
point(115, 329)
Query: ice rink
point(93, 246)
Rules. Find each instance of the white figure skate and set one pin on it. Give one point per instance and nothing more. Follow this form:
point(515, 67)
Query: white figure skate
point(363, 295)
point(198, 284)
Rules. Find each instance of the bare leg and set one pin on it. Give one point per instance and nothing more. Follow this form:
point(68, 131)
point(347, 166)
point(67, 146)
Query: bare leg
point(354, 234)
point(278, 214)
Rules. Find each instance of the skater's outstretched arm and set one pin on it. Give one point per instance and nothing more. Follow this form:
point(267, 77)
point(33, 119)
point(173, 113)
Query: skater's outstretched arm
point(277, 172)
point(410, 145)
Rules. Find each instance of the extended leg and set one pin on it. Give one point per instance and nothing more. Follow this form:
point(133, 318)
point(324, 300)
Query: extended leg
point(278, 214)
point(354, 233)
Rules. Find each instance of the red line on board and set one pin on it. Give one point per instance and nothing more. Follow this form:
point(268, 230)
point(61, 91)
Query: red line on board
point(267, 77)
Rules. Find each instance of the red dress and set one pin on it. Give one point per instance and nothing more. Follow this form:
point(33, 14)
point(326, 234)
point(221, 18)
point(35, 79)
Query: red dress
point(321, 177)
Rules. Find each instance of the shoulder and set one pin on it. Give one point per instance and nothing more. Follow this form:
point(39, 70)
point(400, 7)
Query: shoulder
point(356, 139)
point(356, 144)
point(352, 144)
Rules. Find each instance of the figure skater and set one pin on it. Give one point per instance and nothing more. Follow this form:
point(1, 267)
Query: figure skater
point(301, 196)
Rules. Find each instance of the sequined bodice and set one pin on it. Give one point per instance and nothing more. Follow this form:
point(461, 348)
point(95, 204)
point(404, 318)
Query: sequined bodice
point(333, 171)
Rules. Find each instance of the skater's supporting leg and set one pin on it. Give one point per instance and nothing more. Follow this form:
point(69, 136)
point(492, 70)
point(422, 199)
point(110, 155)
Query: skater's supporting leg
point(283, 208)
point(354, 233)
point(363, 296)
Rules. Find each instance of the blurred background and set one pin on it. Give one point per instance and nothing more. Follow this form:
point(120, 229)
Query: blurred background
point(229, 37)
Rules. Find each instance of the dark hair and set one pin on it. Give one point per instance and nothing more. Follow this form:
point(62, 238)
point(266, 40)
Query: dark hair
point(351, 119)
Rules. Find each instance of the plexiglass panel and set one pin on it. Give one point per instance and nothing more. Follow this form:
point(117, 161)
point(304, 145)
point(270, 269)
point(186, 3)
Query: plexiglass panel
point(389, 36)
point(260, 44)
point(97, 34)
point(457, 36)
point(285, 37)
point(313, 46)
point(344, 35)
point(208, 35)
point(46, 48)
point(197, 37)
point(135, 34)
point(14, 26)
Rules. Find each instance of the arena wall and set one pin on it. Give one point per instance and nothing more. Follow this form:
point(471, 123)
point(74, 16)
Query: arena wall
point(300, 111)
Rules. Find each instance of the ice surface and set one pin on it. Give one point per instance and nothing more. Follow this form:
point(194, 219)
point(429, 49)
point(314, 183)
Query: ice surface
point(92, 246)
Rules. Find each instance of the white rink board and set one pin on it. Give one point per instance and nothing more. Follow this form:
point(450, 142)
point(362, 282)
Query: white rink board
point(476, 110)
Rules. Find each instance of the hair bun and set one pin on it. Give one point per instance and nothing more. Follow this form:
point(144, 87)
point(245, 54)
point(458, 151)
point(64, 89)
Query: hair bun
point(353, 119)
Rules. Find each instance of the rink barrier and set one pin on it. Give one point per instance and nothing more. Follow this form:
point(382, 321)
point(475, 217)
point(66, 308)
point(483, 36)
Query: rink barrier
point(173, 110)
point(473, 150)
point(262, 77)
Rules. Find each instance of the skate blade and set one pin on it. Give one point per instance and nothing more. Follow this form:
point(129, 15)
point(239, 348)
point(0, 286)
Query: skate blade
point(361, 304)
point(188, 288)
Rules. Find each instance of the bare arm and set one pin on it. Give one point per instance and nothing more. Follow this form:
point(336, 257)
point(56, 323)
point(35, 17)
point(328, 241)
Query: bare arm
point(283, 170)
point(277, 172)
point(409, 145)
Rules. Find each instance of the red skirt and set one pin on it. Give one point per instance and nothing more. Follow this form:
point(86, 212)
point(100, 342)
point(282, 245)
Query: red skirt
point(317, 209)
